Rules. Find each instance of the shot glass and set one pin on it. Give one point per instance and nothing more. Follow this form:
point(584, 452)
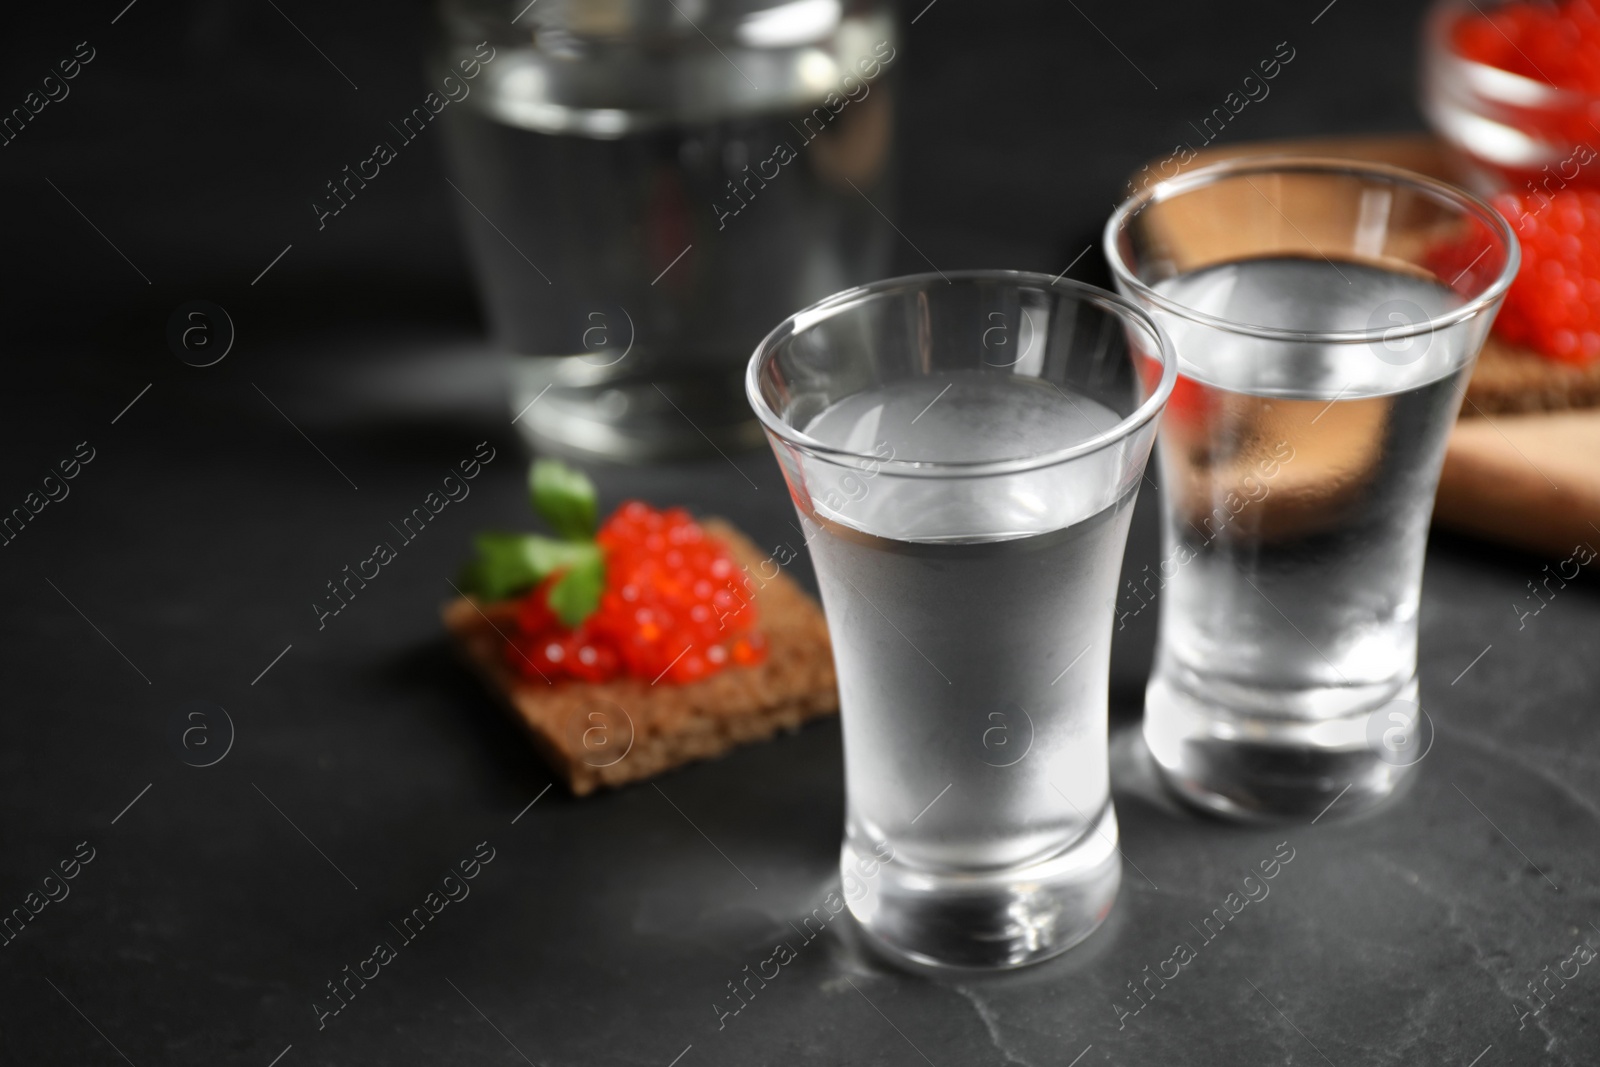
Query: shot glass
point(645, 187)
point(1326, 315)
point(964, 451)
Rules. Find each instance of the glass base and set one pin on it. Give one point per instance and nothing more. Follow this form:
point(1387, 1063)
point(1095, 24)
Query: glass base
point(570, 406)
point(1247, 766)
point(988, 919)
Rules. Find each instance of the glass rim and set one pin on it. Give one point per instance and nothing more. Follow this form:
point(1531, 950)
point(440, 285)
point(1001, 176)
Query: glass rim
point(1290, 163)
point(849, 299)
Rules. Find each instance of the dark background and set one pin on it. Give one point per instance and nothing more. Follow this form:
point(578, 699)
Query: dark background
point(187, 554)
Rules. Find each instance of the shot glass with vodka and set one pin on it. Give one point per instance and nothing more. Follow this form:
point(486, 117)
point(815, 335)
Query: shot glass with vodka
point(1326, 315)
point(964, 451)
point(646, 186)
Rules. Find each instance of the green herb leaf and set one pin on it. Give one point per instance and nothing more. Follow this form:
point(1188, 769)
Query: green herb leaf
point(509, 563)
point(576, 594)
point(565, 498)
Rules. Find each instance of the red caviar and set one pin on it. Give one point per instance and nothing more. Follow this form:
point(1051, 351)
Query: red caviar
point(675, 608)
point(1554, 304)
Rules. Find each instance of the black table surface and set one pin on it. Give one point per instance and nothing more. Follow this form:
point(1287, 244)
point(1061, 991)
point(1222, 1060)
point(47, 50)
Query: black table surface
point(211, 906)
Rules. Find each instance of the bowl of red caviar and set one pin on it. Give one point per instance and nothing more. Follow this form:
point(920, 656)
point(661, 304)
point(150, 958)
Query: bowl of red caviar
point(1515, 89)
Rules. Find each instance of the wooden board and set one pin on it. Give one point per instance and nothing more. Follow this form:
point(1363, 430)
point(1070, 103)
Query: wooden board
point(1527, 480)
point(1523, 466)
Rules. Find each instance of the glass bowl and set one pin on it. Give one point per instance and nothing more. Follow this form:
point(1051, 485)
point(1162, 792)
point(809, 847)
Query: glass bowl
point(1511, 132)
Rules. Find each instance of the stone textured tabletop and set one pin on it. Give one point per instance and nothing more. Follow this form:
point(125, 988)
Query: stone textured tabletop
point(196, 914)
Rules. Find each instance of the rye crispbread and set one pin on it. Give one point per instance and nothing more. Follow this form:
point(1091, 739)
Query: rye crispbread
point(1509, 379)
point(597, 734)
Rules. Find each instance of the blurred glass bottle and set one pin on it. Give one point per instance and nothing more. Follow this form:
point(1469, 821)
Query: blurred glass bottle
point(648, 186)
